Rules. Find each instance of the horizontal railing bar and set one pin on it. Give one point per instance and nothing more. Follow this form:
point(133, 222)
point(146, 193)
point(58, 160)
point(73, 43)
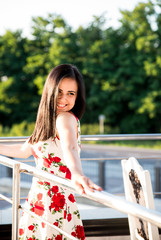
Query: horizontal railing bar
point(21, 198)
point(27, 161)
point(7, 161)
point(127, 207)
point(120, 158)
point(105, 159)
point(13, 139)
point(99, 137)
point(6, 198)
point(123, 194)
point(157, 193)
point(118, 137)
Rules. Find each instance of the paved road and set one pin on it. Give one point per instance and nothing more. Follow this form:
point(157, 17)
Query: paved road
point(114, 151)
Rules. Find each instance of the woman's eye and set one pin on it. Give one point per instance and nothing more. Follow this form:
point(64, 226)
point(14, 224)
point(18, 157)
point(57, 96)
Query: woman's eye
point(59, 94)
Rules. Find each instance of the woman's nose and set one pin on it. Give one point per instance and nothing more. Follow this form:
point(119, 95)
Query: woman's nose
point(63, 97)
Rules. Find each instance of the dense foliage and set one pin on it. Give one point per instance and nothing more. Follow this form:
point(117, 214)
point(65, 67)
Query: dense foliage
point(121, 68)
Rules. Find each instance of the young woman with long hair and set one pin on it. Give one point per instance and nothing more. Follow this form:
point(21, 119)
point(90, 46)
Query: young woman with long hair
point(55, 145)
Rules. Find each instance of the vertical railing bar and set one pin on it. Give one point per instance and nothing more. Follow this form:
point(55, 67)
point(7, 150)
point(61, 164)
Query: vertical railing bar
point(16, 200)
point(102, 173)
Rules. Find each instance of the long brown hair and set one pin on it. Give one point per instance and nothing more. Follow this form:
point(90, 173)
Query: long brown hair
point(45, 126)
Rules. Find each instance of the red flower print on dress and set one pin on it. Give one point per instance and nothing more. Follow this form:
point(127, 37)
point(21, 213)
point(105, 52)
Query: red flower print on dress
point(73, 234)
point(80, 232)
point(39, 148)
point(46, 162)
point(63, 169)
point(50, 158)
point(68, 174)
point(55, 189)
point(34, 154)
point(31, 227)
point(38, 208)
point(39, 182)
point(49, 193)
point(56, 224)
point(47, 183)
point(71, 198)
point(58, 201)
point(43, 225)
point(57, 159)
point(69, 217)
point(65, 214)
point(39, 196)
point(54, 159)
point(58, 237)
point(21, 231)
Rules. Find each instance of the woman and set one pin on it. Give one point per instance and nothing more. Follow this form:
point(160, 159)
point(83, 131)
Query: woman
point(55, 145)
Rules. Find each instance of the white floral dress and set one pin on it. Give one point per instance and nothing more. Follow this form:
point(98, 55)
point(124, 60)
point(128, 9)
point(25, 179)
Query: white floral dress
point(49, 201)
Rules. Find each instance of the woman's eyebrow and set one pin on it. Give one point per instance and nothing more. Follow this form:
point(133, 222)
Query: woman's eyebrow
point(68, 91)
point(72, 91)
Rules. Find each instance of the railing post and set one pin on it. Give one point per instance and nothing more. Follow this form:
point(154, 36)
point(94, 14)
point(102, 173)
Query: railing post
point(9, 171)
point(157, 180)
point(16, 200)
point(102, 174)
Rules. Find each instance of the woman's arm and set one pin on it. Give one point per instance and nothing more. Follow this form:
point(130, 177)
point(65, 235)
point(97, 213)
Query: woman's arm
point(21, 150)
point(67, 129)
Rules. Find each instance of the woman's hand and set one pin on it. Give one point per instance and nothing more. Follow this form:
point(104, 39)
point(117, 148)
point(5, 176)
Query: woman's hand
point(83, 184)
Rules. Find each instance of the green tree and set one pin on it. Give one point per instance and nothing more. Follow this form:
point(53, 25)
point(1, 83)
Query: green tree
point(123, 71)
point(121, 68)
point(139, 51)
point(14, 83)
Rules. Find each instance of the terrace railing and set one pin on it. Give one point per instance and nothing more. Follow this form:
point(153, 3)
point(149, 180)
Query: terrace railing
point(104, 198)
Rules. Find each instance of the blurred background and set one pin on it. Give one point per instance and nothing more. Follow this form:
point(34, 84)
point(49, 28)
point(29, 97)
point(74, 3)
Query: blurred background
point(116, 46)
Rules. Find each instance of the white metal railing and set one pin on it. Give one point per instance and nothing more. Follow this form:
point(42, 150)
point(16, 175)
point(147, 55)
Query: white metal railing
point(104, 198)
point(107, 137)
point(99, 137)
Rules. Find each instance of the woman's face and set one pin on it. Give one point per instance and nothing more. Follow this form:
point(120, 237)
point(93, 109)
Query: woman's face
point(67, 95)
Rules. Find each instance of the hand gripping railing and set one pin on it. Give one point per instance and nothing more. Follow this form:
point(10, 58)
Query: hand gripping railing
point(104, 198)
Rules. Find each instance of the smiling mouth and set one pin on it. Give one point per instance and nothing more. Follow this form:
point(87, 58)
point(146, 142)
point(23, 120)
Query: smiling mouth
point(61, 105)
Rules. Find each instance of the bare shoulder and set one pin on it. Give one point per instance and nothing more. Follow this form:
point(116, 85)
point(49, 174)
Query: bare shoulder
point(66, 119)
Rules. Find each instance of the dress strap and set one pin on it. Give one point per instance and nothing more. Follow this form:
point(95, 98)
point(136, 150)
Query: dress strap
point(75, 116)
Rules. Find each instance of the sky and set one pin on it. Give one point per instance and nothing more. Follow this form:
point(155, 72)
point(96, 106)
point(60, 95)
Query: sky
point(17, 14)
